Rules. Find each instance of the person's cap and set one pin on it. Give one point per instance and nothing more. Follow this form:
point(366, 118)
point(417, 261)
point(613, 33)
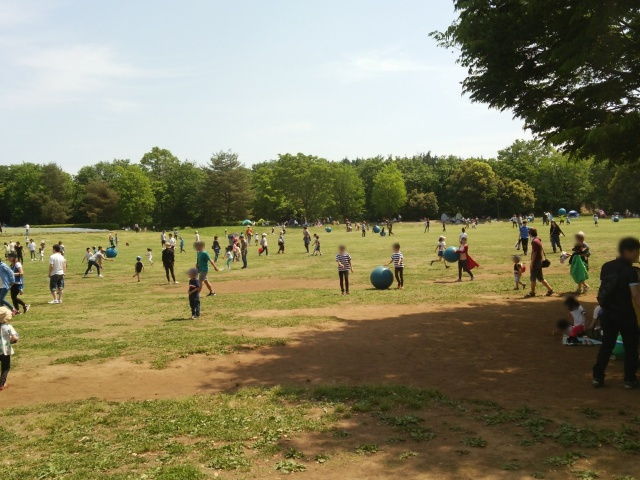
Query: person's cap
point(242, 235)
point(138, 258)
point(5, 315)
point(264, 234)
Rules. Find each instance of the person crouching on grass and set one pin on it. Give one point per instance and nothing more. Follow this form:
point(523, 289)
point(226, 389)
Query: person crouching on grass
point(194, 293)
point(465, 262)
point(344, 267)
point(398, 264)
point(8, 338)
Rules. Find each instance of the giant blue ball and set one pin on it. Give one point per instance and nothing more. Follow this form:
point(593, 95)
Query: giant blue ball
point(616, 219)
point(562, 211)
point(111, 252)
point(376, 229)
point(381, 278)
point(618, 350)
point(327, 229)
point(450, 255)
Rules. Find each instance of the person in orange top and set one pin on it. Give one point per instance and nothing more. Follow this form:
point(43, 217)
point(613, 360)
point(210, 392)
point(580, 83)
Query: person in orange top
point(248, 233)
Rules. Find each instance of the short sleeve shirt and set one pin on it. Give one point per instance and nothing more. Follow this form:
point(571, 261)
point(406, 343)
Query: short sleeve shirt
point(58, 262)
point(203, 261)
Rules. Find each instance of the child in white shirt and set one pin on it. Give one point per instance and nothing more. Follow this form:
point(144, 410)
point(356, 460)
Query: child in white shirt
point(441, 246)
point(8, 337)
point(150, 256)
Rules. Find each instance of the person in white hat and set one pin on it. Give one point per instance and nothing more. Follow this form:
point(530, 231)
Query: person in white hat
point(8, 338)
point(441, 246)
point(265, 245)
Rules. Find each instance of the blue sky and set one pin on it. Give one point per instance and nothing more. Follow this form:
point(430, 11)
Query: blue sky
point(82, 82)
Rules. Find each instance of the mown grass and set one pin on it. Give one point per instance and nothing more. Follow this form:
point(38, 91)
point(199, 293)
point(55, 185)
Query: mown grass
point(251, 430)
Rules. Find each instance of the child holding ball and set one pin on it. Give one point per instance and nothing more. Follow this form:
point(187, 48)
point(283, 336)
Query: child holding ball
point(518, 270)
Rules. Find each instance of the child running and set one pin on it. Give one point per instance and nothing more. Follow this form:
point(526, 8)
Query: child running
point(441, 246)
point(8, 338)
point(344, 267)
point(182, 250)
point(518, 270)
point(194, 293)
point(139, 267)
point(398, 264)
point(150, 256)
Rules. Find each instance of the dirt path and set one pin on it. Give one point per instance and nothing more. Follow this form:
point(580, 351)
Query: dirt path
point(487, 350)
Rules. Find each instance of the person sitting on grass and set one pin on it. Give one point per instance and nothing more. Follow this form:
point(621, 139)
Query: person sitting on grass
point(575, 326)
point(441, 246)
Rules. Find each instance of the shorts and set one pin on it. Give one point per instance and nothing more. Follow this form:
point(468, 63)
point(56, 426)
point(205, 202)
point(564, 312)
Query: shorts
point(536, 274)
point(576, 330)
point(56, 282)
point(517, 277)
point(441, 254)
point(203, 276)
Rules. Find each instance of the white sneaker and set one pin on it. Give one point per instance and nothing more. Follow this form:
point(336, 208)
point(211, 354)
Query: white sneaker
point(176, 283)
point(54, 302)
point(100, 276)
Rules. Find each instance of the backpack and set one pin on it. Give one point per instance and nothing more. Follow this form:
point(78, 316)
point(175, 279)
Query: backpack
point(607, 290)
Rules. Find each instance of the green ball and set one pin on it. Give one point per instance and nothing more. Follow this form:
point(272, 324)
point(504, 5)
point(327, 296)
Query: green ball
point(381, 278)
point(450, 255)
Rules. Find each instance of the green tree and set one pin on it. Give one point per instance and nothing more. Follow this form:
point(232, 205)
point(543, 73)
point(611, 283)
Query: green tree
point(227, 192)
point(348, 191)
point(270, 202)
point(570, 70)
point(516, 197)
point(307, 183)
point(624, 191)
point(136, 198)
point(389, 193)
point(421, 205)
point(100, 202)
point(475, 186)
point(161, 165)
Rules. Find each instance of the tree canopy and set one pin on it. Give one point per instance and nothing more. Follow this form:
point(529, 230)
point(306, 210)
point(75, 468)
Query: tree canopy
point(569, 69)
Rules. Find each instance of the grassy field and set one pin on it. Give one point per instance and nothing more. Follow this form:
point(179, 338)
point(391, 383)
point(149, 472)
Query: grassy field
point(327, 429)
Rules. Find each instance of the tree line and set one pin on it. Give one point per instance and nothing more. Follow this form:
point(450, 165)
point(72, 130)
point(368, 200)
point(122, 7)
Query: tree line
point(163, 191)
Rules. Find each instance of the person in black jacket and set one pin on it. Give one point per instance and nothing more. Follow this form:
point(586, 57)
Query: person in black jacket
point(168, 260)
point(618, 295)
point(555, 232)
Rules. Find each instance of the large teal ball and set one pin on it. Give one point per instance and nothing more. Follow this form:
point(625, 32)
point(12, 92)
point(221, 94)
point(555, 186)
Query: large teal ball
point(381, 278)
point(376, 229)
point(562, 211)
point(450, 255)
point(618, 350)
point(111, 252)
point(616, 219)
point(327, 229)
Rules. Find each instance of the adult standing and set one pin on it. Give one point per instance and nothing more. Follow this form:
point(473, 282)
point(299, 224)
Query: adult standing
point(7, 278)
point(555, 232)
point(168, 262)
point(619, 293)
point(18, 285)
point(202, 264)
point(536, 270)
point(57, 271)
point(524, 237)
point(172, 241)
point(244, 250)
point(32, 249)
point(427, 225)
point(163, 238)
point(306, 238)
